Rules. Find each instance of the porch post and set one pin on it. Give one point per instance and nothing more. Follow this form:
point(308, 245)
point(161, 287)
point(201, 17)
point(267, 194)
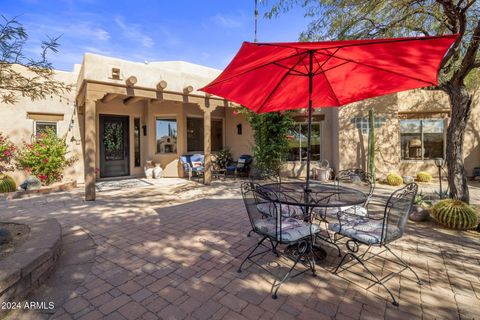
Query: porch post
point(207, 142)
point(90, 145)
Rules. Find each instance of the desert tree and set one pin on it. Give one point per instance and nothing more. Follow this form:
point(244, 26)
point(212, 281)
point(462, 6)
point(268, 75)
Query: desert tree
point(36, 79)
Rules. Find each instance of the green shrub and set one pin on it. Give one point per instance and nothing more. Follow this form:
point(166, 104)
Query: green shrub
point(223, 158)
point(455, 214)
point(7, 184)
point(271, 133)
point(394, 179)
point(423, 176)
point(45, 158)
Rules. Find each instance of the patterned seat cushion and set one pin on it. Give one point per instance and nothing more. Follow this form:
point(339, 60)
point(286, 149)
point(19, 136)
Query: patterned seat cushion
point(268, 209)
point(291, 229)
point(360, 228)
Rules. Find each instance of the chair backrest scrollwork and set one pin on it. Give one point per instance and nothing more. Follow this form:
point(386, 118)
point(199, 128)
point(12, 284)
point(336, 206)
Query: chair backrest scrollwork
point(397, 210)
point(358, 179)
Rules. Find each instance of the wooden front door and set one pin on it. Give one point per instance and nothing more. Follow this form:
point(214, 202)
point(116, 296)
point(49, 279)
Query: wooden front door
point(114, 151)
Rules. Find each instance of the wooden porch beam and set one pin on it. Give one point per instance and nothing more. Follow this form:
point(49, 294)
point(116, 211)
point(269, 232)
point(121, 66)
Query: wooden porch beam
point(132, 100)
point(109, 97)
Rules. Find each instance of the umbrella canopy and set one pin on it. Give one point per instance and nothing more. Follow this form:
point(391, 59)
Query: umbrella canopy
point(266, 77)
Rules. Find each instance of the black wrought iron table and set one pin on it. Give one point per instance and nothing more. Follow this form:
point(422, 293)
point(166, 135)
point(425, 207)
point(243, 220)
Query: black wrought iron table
point(320, 196)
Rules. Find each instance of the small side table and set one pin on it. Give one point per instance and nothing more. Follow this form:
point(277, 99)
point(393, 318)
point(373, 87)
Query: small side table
point(219, 173)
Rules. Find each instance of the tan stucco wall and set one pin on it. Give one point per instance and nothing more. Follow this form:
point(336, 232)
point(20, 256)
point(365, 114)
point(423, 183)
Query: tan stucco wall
point(15, 124)
point(354, 144)
point(238, 144)
point(178, 74)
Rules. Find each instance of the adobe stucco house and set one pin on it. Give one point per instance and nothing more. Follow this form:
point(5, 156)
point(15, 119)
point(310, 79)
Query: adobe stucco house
point(121, 114)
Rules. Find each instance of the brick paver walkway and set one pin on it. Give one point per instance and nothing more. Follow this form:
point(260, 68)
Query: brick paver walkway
point(172, 253)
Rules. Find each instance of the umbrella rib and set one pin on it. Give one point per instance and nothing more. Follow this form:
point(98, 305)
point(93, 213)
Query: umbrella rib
point(280, 82)
point(321, 65)
point(256, 68)
point(378, 68)
point(330, 86)
point(298, 73)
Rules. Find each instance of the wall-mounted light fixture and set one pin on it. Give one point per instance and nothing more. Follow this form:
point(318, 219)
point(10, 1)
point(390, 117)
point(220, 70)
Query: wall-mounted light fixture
point(239, 129)
point(144, 128)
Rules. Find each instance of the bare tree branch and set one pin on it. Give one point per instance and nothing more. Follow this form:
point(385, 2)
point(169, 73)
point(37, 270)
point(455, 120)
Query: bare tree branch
point(468, 60)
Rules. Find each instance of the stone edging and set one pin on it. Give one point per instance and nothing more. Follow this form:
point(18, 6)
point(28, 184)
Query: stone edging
point(65, 186)
point(31, 264)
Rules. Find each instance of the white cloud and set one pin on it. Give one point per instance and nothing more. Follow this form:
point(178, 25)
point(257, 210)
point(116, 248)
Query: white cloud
point(227, 21)
point(133, 32)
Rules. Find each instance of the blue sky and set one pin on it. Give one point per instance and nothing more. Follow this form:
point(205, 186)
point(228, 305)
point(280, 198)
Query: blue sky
point(207, 32)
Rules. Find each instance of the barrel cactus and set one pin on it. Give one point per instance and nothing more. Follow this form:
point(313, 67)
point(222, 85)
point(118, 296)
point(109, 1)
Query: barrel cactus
point(394, 179)
point(7, 184)
point(455, 214)
point(423, 176)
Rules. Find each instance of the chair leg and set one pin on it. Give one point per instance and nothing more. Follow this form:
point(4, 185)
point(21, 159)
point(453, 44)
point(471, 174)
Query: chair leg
point(406, 265)
point(274, 248)
point(276, 286)
point(377, 281)
point(251, 252)
point(249, 233)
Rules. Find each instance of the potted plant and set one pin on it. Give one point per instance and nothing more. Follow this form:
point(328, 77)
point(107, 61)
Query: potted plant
point(421, 208)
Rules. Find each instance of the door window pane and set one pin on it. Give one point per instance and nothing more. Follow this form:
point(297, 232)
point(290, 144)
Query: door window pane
point(217, 135)
point(113, 133)
point(136, 138)
point(195, 135)
point(166, 135)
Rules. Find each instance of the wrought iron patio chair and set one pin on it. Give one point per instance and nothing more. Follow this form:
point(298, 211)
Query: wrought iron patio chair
point(280, 225)
point(352, 178)
point(377, 232)
point(360, 180)
point(264, 175)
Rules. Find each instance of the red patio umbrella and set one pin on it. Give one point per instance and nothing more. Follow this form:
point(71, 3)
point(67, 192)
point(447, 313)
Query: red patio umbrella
point(266, 77)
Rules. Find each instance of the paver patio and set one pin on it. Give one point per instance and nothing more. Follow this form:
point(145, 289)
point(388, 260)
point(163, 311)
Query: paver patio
point(171, 251)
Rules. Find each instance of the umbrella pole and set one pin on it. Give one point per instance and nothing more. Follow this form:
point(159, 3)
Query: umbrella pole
point(310, 107)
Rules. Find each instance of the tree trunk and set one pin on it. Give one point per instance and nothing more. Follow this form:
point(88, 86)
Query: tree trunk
point(461, 102)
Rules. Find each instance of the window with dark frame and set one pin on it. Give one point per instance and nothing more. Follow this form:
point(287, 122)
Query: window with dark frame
point(422, 139)
point(195, 134)
point(136, 141)
point(43, 126)
point(166, 135)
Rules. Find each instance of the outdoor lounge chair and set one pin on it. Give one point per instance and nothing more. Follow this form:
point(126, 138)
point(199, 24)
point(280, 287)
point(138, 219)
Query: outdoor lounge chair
point(374, 232)
point(279, 226)
point(240, 167)
point(193, 165)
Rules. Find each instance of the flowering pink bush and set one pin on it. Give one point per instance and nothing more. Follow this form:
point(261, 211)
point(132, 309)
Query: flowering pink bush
point(46, 158)
point(7, 150)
